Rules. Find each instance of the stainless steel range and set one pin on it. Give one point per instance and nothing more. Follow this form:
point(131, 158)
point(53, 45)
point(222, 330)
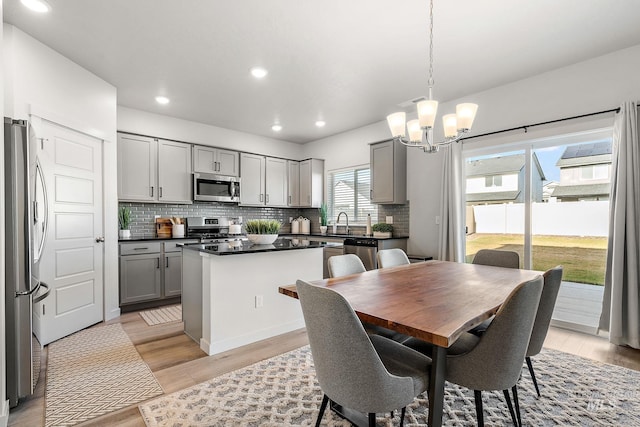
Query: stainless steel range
point(214, 230)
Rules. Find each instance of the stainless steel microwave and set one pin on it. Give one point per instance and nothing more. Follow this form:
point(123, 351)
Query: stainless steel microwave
point(216, 188)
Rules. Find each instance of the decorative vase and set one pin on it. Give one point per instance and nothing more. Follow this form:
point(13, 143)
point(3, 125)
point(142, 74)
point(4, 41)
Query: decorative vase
point(323, 229)
point(177, 230)
point(262, 239)
point(124, 234)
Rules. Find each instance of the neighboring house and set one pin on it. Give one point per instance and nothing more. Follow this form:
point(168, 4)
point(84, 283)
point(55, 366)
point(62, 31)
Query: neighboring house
point(547, 191)
point(501, 180)
point(585, 172)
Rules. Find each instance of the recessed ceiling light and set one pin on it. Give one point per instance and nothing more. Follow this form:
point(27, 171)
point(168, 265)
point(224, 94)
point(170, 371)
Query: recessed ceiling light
point(276, 128)
point(259, 72)
point(39, 6)
point(162, 100)
point(320, 123)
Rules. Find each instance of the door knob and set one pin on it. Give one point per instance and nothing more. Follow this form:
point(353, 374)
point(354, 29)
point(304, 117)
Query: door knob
point(100, 239)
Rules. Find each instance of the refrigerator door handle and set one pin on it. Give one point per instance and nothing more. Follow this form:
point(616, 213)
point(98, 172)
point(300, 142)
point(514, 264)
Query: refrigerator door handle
point(44, 295)
point(30, 291)
point(45, 223)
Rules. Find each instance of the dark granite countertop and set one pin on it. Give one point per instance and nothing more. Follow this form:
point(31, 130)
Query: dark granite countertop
point(238, 247)
point(340, 236)
point(148, 237)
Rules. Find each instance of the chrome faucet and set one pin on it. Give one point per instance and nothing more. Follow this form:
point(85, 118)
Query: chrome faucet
point(338, 221)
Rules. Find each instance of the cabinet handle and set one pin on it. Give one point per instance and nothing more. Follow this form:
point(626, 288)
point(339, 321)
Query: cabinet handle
point(218, 166)
point(158, 262)
point(289, 198)
point(167, 262)
point(309, 199)
point(260, 197)
point(267, 199)
point(151, 191)
point(159, 191)
point(140, 249)
point(371, 194)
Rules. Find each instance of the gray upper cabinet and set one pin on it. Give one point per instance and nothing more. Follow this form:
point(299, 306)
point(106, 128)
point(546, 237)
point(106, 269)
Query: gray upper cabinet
point(216, 161)
point(311, 183)
point(276, 179)
point(174, 172)
point(252, 174)
point(152, 170)
point(293, 168)
point(388, 173)
point(137, 164)
point(264, 181)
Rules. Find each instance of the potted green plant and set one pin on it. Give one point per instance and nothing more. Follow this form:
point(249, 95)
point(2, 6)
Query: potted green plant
point(322, 210)
point(124, 220)
point(382, 229)
point(262, 231)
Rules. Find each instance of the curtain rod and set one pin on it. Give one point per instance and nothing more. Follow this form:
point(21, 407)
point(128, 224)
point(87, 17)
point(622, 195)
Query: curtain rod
point(525, 127)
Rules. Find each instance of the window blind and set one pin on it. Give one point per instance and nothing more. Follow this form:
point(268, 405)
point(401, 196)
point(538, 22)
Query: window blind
point(348, 191)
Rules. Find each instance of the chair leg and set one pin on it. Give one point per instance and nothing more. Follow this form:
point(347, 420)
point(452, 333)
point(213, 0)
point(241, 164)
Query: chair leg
point(478, 397)
point(513, 414)
point(515, 399)
point(404, 410)
point(372, 419)
point(323, 406)
point(533, 375)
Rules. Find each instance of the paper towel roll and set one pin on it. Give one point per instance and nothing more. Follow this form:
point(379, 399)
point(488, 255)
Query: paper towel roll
point(368, 231)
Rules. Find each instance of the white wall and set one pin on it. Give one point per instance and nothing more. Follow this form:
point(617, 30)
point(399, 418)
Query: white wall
point(144, 123)
point(41, 82)
point(594, 85)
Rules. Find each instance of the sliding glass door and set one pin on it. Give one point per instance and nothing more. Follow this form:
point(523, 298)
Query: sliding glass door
point(549, 201)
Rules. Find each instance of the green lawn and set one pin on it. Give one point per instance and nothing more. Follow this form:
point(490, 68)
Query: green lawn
point(583, 258)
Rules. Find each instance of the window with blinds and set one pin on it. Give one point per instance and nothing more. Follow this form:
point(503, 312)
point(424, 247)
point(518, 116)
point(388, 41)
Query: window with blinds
point(348, 191)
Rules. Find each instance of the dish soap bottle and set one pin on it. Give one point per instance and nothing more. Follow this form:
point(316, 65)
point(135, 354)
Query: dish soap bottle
point(368, 231)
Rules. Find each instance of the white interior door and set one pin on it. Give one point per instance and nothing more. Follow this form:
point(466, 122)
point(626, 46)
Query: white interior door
point(72, 258)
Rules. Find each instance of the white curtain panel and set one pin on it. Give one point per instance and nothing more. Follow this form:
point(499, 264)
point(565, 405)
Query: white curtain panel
point(452, 234)
point(621, 304)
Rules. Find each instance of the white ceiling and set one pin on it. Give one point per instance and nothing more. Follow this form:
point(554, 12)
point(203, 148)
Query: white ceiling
point(348, 62)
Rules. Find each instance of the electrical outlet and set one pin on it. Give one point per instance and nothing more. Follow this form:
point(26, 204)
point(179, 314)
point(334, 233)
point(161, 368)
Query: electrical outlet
point(156, 216)
point(259, 301)
point(389, 219)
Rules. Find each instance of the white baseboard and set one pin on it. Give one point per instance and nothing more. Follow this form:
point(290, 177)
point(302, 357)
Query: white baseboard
point(4, 413)
point(235, 342)
point(112, 314)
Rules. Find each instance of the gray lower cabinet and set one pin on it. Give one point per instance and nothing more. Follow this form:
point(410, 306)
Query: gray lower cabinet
point(150, 271)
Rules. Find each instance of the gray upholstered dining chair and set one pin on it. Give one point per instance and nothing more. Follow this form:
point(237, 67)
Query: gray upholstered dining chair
point(497, 258)
point(494, 258)
point(392, 257)
point(552, 281)
point(494, 360)
point(370, 374)
point(343, 265)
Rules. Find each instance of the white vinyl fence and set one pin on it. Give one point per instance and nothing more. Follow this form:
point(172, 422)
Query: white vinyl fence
point(588, 218)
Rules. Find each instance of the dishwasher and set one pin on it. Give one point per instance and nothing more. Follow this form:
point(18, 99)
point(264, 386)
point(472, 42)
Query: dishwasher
point(366, 249)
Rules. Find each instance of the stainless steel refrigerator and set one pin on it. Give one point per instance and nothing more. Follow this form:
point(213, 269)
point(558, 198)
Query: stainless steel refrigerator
point(25, 230)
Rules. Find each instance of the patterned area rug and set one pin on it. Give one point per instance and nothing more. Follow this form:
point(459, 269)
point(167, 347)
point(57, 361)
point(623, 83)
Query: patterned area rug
point(162, 315)
point(282, 391)
point(94, 372)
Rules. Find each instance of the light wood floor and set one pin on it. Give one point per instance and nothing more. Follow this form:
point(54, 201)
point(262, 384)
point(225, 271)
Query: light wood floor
point(178, 363)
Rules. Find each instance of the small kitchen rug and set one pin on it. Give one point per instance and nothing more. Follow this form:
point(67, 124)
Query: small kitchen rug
point(94, 372)
point(162, 315)
point(283, 391)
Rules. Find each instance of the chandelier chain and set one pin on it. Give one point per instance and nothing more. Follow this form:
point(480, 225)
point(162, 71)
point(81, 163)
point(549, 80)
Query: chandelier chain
point(430, 82)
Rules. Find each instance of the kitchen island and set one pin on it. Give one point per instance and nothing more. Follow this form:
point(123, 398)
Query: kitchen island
point(230, 292)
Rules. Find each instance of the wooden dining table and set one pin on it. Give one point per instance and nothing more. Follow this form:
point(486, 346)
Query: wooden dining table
point(435, 301)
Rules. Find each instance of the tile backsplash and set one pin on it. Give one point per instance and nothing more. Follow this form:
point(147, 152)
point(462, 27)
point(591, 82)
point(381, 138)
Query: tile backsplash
point(143, 215)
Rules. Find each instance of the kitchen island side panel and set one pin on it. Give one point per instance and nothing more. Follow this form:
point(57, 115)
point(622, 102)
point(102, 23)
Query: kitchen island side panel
point(233, 284)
